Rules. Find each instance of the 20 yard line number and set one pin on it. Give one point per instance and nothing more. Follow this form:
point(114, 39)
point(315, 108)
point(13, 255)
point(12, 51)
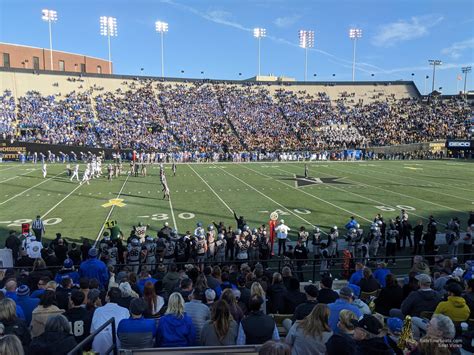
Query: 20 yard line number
point(391, 209)
point(46, 222)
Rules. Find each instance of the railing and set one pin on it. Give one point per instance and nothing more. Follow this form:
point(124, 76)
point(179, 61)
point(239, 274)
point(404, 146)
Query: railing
point(190, 350)
point(309, 265)
point(78, 350)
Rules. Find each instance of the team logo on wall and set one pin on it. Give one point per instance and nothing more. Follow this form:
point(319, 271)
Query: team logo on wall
point(301, 181)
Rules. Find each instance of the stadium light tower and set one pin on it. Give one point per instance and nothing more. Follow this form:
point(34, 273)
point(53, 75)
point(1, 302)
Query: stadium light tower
point(50, 16)
point(108, 27)
point(354, 34)
point(259, 33)
point(161, 28)
point(306, 41)
point(465, 71)
point(434, 63)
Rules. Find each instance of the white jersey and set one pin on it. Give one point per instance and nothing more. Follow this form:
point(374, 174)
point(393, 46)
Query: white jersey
point(33, 249)
point(282, 231)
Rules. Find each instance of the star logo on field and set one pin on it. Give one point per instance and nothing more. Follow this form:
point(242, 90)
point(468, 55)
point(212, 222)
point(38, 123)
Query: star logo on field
point(301, 181)
point(114, 202)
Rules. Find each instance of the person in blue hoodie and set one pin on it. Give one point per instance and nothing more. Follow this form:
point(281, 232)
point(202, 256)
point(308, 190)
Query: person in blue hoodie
point(26, 302)
point(67, 271)
point(93, 268)
point(351, 224)
point(175, 328)
point(381, 272)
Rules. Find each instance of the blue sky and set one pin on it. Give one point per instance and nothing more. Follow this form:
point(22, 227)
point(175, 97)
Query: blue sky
point(216, 36)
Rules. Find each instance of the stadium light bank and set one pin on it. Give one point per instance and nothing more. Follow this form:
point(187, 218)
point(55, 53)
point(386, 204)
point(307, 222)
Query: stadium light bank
point(259, 33)
point(354, 35)
point(434, 63)
point(108, 27)
point(306, 41)
point(161, 28)
point(465, 71)
point(50, 16)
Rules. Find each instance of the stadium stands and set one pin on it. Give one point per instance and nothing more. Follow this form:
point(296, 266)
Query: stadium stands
point(214, 117)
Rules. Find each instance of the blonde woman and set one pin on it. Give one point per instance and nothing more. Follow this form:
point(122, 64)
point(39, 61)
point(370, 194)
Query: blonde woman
point(12, 324)
point(175, 328)
point(343, 342)
point(257, 289)
point(11, 345)
point(310, 335)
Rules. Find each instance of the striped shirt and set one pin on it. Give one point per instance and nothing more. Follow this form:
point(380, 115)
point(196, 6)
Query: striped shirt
point(37, 224)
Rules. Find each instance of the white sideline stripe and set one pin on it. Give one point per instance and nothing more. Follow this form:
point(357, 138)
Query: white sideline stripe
point(398, 193)
point(32, 187)
point(56, 205)
point(172, 213)
point(210, 188)
point(361, 196)
point(269, 198)
point(428, 181)
point(110, 212)
point(315, 197)
point(14, 177)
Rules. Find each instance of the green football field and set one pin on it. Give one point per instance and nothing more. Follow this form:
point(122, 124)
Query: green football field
point(209, 192)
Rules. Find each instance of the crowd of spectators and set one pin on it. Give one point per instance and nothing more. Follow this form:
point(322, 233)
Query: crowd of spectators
point(50, 310)
point(207, 117)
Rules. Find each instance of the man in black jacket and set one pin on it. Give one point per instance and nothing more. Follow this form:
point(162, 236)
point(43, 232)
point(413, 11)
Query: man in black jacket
point(305, 308)
point(326, 294)
point(257, 328)
point(424, 299)
point(417, 235)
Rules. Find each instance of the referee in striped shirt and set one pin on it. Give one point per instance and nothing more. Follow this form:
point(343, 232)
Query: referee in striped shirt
point(38, 228)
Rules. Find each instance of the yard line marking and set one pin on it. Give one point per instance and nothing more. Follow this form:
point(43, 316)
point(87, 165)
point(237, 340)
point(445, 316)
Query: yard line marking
point(13, 167)
point(14, 177)
point(315, 197)
point(110, 212)
point(32, 187)
point(269, 198)
point(398, 193)
point(172, 213)
point(212, 190)
point(361, 196)
point(64, 198)
point(392, 172)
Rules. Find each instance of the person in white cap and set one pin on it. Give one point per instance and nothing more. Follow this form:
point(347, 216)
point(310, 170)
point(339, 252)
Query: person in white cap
point(282, 235)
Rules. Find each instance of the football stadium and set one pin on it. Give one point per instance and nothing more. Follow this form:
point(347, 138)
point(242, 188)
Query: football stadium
point(156, 199)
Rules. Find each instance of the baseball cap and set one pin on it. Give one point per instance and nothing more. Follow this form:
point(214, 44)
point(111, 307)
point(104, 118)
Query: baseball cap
point(458, 272)
point(68, 264)
point(369, 323)
point(23, 290)
point(395, 325)
point(355, 289)
point(93, 252)
point(311, 290)
point(425, 279)
point(346, 291)
point(137, 306)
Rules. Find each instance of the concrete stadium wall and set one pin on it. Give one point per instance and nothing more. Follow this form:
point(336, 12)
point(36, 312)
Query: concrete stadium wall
point(20, 81)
